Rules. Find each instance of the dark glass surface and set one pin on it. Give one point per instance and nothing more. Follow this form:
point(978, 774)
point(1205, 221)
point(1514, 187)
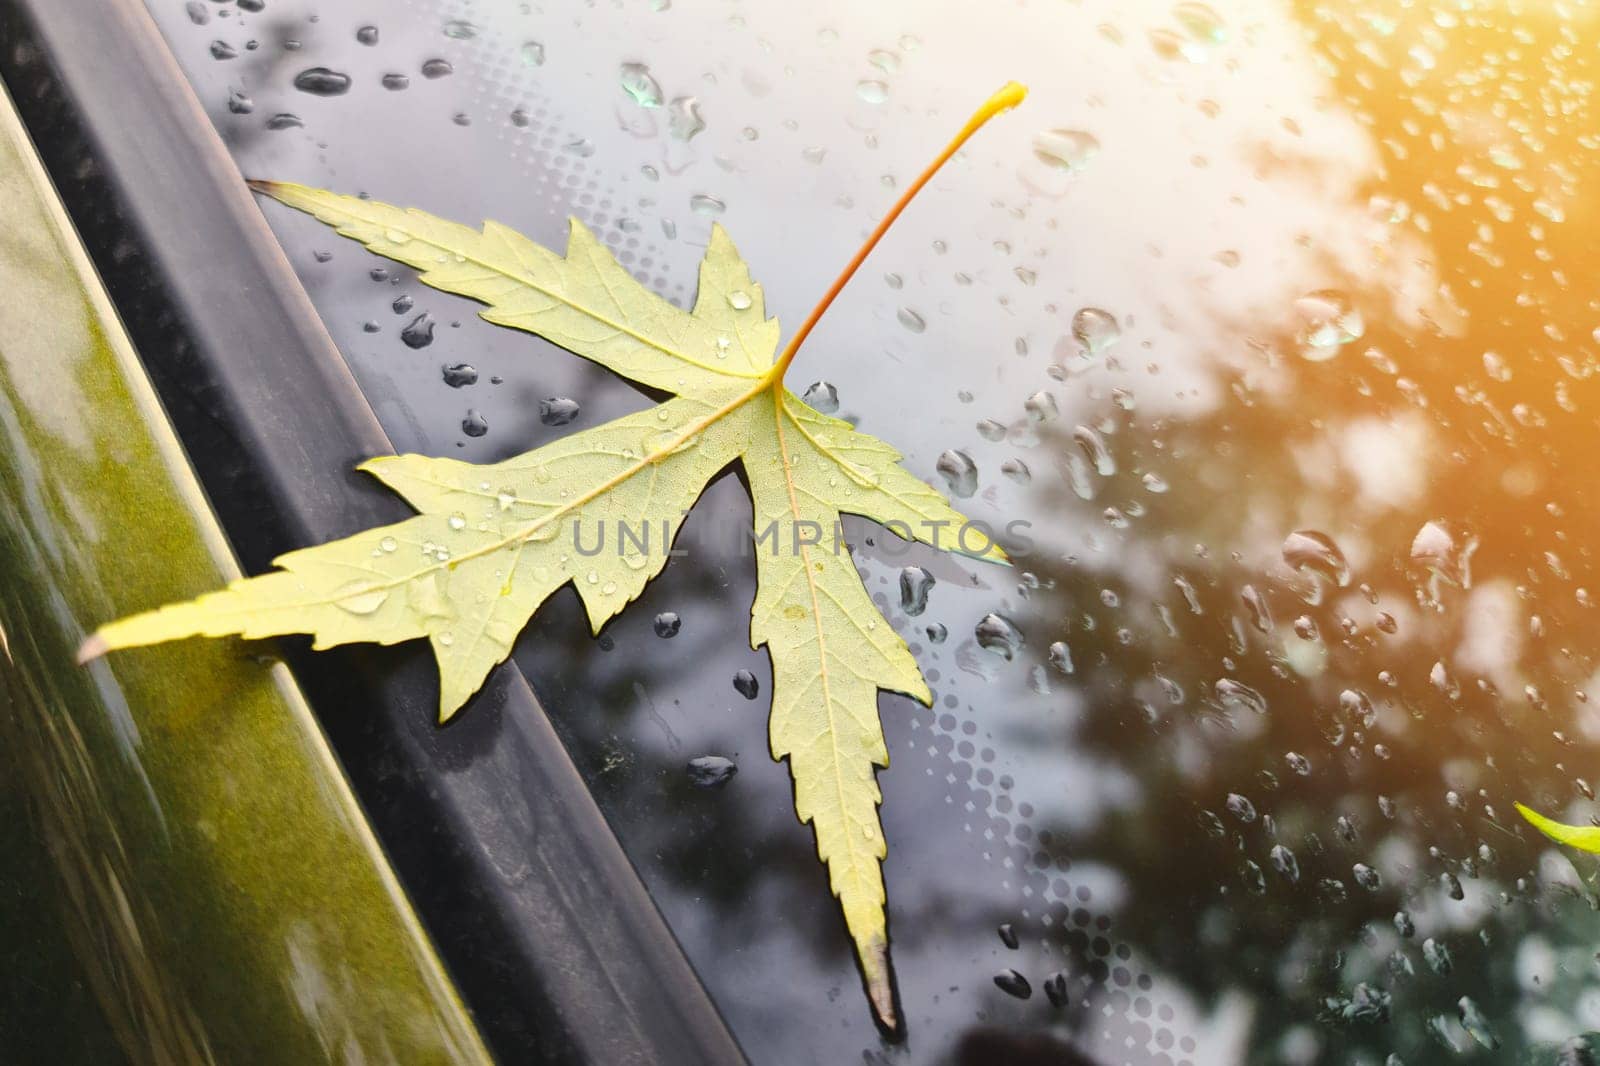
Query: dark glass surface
point(1347, 255)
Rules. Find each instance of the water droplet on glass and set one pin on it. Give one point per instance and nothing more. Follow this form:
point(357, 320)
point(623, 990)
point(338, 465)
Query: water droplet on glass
point(1437, 956)
point(1094, 449)
point(1172, 45)
point(1357, 707)
point(367, 35)
point(1475, 1023)
point(239, 103)
point(521, 119)
point(683, 118)
point(1055, 988)
point(739, 300)
point(1241, 807)
point(1238, 694)
point(873, 92)
point(996, 633)
point(960, 472)
point(638, 83)
point(437, 68)
point(418, 333)
point(1445, 553)
point(822, 397)
point(701, 204)
point(1439, 677)
point(459, 375)
point(223, 50)
point(320, 81)
point(532, 53)
point(474, 424)
point(746, 684)
point(1200, 22)
point(460, 30)
point(711, 771)
point(1328, 321)
point(1364, 1004)
point(1013, 983)
point(911, 320)
point(1061, 657)
point(1041, 406)
point(914, 585)
point(1285, 863)
point(1008, 935)
point(884, 60)
point(1256, 605)
point(284, 121)
point(1095, 330)
point(1307, 550)
point(558, 410)
point(395, 82)
point(198, 13)
point(1069, 150)
point(1016, 470)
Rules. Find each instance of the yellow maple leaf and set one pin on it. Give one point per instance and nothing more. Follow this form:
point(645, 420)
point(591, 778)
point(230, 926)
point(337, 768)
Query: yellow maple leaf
point(492, 542)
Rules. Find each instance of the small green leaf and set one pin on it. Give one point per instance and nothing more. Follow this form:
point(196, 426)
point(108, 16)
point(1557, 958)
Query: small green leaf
point(1583, 837)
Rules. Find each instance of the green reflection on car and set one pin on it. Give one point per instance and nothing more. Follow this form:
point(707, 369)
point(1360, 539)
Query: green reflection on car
point(187, 875)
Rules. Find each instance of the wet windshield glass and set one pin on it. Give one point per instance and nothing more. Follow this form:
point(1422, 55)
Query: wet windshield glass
point(1272, 328)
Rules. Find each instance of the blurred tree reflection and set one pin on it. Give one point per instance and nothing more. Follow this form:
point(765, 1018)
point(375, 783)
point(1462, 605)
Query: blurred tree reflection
point(1408, 771)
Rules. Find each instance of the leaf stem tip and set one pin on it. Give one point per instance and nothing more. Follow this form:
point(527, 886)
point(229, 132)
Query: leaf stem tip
point(1005, 98)
point(92, 648)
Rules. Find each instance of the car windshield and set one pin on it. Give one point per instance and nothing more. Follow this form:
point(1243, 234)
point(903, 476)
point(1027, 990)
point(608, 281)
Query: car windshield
point(1266, 331)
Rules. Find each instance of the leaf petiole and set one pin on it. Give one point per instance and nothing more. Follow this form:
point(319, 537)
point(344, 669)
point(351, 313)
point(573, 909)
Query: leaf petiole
point(1005, 98)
